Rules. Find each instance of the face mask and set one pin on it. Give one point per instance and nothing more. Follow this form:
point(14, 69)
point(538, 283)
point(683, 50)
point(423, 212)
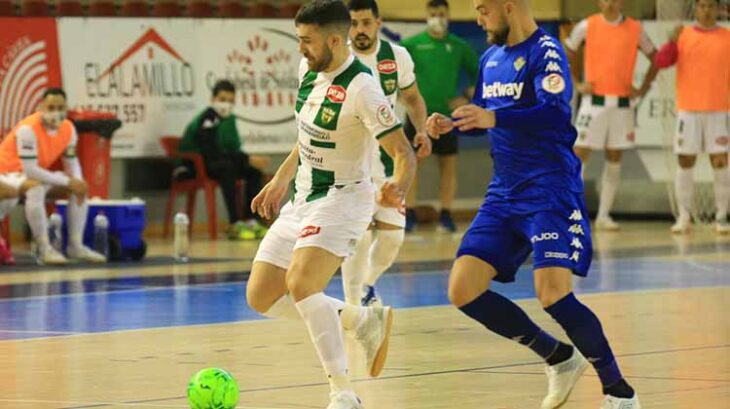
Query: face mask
point(54, 119)
point(437, 24)
point(223, 109)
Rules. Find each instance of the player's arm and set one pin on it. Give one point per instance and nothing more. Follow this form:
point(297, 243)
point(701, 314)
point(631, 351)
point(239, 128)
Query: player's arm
point(418, 113)
point(72, 168)
point(572, 48)
point(649, 50)
point(668, 54)
point(28, 153)
point(269, 199)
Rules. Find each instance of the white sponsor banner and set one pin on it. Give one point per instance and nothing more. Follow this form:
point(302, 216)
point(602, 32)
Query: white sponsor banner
point(156, 74)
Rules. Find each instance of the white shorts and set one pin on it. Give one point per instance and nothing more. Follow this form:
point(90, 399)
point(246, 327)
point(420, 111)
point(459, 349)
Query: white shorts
point(701, 132)
point(603, 124)
point(389, 215)
point(334, 223)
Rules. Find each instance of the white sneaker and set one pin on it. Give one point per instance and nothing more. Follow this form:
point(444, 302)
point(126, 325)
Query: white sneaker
point(51, 256)
point(682, 226)
point(722, 227)
point(606, 224)
point(86, 254)
point(562, 378)
point(374, 335)
point(612, 402)
point(344, 400)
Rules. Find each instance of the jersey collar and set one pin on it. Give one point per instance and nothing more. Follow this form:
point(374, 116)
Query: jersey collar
point(331, 75)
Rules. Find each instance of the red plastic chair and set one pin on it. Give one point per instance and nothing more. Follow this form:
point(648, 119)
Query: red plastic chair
point(262, 9)
point(70, 8)
point(102, 8)
point(199, 9)
point(35, 8)
point(135, 8)
point(166, 8)
point(191, 186)
point(7, 9)
point(232, 9)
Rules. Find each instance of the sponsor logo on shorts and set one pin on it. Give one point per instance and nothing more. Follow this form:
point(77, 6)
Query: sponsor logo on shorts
point(387, 66)
point(722, 140)
point(555, 254)
point(576, 216)
point(309, 231)
point(336, 94)
point(577, 229)
point(545, 236)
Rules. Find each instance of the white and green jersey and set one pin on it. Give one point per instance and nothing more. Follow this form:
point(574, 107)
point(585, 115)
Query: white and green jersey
point(393, 67)
point(340, 115)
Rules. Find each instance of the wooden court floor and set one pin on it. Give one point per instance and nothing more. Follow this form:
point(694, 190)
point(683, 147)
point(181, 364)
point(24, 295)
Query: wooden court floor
point(664, 302)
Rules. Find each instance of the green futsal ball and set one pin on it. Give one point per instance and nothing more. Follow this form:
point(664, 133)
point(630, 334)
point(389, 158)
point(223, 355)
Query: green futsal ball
point(212, 388)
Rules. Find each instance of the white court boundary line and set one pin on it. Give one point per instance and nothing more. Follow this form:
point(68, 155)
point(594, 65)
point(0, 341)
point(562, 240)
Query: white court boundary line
point(90, 403)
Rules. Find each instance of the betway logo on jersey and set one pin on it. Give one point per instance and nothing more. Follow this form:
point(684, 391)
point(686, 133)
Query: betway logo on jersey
point(336, 94)
point(499, 90)
point(387, 67)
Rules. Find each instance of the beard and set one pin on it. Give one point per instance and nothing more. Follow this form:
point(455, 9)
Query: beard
point(362, 42)
point(319, 65)
point(498, 37)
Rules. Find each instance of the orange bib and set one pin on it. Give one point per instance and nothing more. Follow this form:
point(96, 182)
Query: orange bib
point(703, 70)
point(610, 55)
point(49, 147)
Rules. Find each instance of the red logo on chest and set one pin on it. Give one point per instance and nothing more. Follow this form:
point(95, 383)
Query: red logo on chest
point(309, 231)
point(336, 94)
point(387, 67)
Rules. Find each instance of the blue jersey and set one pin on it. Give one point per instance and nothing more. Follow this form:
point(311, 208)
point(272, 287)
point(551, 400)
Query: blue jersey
point(528, 86)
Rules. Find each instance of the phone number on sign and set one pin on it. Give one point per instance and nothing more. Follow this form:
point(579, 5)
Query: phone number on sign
point(127, 113)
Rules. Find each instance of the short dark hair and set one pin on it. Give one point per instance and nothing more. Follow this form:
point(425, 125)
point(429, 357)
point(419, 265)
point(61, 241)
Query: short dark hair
point(54, 91)
point(223, 85)
point(437, 3)
point(325, 13)
point(357, 5)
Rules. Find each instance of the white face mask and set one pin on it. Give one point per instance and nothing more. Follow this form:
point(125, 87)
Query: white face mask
point(224, 109)
point(53, 119)
point(438, 25)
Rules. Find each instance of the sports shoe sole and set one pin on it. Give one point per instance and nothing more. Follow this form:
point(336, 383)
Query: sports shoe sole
point(379, 361)
point(575, 379)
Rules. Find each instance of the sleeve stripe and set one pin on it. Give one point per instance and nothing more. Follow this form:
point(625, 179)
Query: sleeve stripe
point(408, 86)
point(382, 134)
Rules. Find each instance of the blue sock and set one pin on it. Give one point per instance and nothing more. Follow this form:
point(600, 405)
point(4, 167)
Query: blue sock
point(501, 316)
point(584, 329)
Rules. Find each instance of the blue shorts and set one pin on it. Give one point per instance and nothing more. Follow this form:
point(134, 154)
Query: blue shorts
point(554, 226)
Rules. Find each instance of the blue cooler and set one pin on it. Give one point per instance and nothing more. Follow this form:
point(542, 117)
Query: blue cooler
point(126, 224)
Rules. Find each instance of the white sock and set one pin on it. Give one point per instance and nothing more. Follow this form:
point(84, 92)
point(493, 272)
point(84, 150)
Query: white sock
point(722, 192)
point(355, 268)
point(383, 252)
point(76, 221)
point(684, 189)
point(609, 185)
point(325, 329)
point(35, 214)
point(283, 308)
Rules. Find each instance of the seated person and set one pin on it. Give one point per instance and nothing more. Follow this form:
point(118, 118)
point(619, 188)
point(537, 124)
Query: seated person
point(214, 135)
point(29, 152)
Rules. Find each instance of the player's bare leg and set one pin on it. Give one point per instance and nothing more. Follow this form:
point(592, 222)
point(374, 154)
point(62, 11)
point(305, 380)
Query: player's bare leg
point(722, 191)
point(583, 154)
point(609, 184)
point(684, 193)
point(447, 190)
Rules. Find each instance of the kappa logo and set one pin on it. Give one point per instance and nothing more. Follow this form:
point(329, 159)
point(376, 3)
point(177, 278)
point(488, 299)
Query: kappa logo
point(336, 94)
point(499, 90)
point(576, 216)
point(577, 229)
point(576, 243)
point(575, 256)
point(551, 53)
point(548, 43)
point(553, 66)
point(387, 67)
point(309, 231)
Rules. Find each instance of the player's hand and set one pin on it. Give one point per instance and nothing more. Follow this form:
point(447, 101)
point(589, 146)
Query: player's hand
point(391, 195)
point(458, 102)
point(423, 145)
point(584, 88)
point(438, 124)
point(638, 93)
point(471, 117)
point(78, 188)
point(269, 199)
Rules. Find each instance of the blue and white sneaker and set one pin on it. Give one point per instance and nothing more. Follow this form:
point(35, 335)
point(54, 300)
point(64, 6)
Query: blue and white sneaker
point(410, 220)
point(370, 297)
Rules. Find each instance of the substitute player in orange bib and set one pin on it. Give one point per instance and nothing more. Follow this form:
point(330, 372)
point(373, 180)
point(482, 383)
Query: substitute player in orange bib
point(702, 55)
point(29, 152)
point(606, 116)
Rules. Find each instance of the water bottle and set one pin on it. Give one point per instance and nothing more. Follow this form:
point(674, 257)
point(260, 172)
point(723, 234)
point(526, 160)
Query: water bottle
point(101, 234)
point(182, 244)
point(55, 234)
